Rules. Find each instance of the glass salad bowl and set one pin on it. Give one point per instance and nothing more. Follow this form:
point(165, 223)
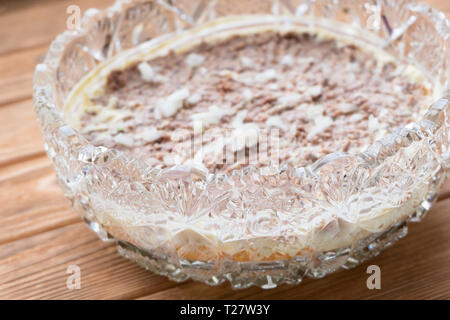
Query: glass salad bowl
point(251, 226)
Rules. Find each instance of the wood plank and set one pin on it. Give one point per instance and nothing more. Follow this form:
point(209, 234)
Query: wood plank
point(20, 135)
point(22, 167)
point(17, 69)
point(24, 14)
point(414, 268)
point(35, 268)
point(32, 202)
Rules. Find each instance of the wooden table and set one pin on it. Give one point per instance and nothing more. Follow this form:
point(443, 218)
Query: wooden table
point(40, 234)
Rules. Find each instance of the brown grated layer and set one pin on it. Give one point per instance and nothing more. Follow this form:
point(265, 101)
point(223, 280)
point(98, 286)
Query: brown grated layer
point(321, 96)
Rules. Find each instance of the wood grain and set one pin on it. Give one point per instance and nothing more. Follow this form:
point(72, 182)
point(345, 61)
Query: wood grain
point(36, 22)
point(35, 267)
point(17, 70)
point(40, 235)
point(20, 136)
point(33, 202)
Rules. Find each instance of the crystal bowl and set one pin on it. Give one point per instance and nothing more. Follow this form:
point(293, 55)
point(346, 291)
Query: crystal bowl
point(335, 213)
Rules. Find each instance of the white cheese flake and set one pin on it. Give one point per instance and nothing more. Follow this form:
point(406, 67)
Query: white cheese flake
point(247, 62)
point(373, 124)
point(149, 74)
point(321, 124)
point(198, 165)
point(356, 117)
point(275, 121)
point(137, 31)
point(150, 135)
point(247, 94)
point(194, 60)
point(245, 135)
point(273, 86)
point(249, 79)
point(124, 140)
point(287, 60)
point(212, 116)
point(267, 75)
point(170, 105)
point(398, 89)
point(313, 111)
point(197, 126)
point(110, 115)
point(347, 108)
point(194, 98)
point(314, 91)
point(290, 99)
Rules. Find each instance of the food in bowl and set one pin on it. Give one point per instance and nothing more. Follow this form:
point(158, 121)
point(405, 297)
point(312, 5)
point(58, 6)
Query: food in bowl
point(321, 93)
